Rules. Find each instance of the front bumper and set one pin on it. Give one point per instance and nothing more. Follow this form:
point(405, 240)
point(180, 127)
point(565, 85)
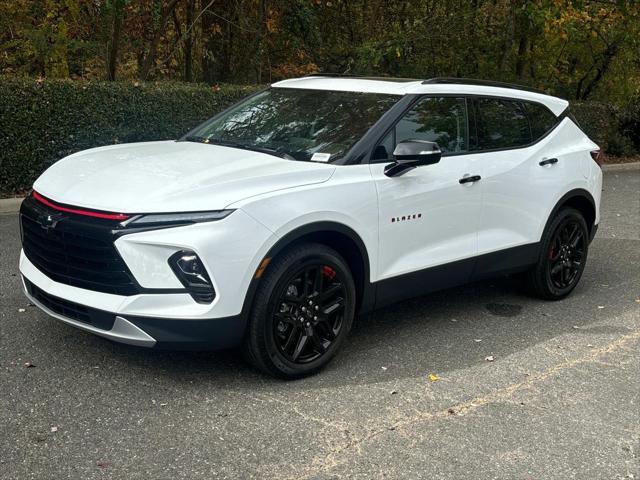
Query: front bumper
point(161, 313)
point(175, 334)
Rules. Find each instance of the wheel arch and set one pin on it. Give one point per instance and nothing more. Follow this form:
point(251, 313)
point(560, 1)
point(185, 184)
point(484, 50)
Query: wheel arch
point(582, 201)
point(337, 236)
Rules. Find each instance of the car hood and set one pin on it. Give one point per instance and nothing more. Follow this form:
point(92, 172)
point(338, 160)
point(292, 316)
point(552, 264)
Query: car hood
point(171, 176)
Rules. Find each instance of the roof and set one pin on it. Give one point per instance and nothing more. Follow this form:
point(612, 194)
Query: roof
point(396, 86)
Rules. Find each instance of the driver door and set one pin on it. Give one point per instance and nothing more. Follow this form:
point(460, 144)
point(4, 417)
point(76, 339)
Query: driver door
point(428, 219)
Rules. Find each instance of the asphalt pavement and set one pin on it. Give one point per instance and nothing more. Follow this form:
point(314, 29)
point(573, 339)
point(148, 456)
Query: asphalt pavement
point(414, 393)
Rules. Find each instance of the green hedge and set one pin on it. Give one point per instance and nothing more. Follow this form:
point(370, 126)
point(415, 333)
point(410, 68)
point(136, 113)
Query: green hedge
point(43, 121)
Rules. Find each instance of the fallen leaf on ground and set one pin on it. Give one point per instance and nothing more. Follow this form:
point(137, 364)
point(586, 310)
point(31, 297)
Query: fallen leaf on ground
point(433, 377)
point(490, 358)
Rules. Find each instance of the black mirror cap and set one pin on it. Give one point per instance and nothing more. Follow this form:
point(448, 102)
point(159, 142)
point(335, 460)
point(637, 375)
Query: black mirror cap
point(417, 152)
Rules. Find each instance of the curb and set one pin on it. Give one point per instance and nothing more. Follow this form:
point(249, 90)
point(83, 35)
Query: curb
point(617, 167)
point(12, 205)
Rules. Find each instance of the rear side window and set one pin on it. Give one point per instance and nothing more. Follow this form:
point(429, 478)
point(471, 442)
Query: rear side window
point(540, 118)
point(500, 123)
point(437, 119)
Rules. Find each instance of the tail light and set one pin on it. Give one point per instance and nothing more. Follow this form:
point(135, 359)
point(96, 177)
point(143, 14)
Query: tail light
point(597, 157)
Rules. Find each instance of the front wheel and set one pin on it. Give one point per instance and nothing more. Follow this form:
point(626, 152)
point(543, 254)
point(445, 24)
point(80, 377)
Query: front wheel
point(302, 312)
point(563, 255)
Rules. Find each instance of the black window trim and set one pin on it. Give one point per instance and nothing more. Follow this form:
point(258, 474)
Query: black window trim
point(390, 123)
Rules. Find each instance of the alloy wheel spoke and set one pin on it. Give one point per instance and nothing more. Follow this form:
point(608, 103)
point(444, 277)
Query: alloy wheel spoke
point(332, 290)
point(575, 239)
point(317, 343)
point(317, 281)
point(326, 329)
point(302, 342)
point(291, 338)
point(333, 307)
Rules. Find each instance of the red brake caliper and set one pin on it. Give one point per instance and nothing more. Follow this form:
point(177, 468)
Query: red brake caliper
point(329, 272)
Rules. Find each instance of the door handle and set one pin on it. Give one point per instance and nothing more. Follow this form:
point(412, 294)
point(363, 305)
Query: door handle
point(548, 161)
point(470, 179)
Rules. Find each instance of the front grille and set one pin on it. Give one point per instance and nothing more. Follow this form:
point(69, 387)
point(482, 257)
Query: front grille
point(74, 311)
point(74, 250)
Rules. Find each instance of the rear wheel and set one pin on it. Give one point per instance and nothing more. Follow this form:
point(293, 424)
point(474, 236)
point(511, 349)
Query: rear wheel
point(302, 312)
point(563, 255)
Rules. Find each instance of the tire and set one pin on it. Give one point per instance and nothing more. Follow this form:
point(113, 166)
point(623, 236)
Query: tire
point(282, 313)
point(562, 256)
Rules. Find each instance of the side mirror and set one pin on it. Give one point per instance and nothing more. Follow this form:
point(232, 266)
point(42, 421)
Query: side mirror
point(410, 154)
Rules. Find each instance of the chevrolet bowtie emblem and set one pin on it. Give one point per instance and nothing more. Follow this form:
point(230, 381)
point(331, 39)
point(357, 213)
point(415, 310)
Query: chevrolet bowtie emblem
point(49, 221)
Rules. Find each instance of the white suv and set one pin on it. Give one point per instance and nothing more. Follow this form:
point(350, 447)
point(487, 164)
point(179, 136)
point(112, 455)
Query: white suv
point(277, 221)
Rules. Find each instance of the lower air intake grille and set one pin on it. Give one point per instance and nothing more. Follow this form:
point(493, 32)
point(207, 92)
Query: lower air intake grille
point(74, 311)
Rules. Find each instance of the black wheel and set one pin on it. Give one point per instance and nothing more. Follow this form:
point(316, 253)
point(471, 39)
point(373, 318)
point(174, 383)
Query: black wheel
point(302, 312)
point(563, 255)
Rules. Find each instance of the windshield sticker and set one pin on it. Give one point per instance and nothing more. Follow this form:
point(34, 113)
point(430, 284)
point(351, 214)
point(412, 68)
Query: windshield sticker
point(320, 157)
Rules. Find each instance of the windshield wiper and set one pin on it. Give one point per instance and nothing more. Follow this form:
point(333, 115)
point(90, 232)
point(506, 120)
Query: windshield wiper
point(243, 146)
point(193, 138)
point(253, 148)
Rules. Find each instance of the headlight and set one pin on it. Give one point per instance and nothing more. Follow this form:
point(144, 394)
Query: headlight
point(191, 272)
point(175, 219)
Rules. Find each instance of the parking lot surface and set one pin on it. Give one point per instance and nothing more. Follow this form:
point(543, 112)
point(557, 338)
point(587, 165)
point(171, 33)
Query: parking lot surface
point(412, 395)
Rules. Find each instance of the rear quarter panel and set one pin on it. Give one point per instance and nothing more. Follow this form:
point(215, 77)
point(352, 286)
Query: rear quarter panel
point(519, 194)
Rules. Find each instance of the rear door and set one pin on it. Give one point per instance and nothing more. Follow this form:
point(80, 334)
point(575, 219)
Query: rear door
point(521, 171)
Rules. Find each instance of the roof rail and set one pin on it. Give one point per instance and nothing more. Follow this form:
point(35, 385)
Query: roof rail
point(364, 77)
point(475, 81)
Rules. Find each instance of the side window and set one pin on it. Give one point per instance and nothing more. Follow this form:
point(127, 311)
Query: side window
point(441, 120)
point(500, 124)
point(540, 118)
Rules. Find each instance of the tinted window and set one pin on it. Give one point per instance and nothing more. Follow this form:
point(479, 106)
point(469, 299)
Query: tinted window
point(500, 124)
point(440, 120)
point(540, 119)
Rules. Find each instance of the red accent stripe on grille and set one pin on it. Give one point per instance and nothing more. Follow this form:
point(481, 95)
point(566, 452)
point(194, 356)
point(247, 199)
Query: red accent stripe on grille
point(77, 211)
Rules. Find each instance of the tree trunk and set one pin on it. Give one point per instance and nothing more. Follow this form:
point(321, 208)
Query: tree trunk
point(114, 41)
point(148, 63)
point(188, 46)
point(520, 59)
point(607, 57)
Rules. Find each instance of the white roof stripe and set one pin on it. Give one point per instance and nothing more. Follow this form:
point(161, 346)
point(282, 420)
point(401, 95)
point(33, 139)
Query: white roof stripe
point(354, 84)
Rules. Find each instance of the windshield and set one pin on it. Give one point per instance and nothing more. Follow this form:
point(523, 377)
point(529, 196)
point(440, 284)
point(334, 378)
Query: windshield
point(307, 125)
